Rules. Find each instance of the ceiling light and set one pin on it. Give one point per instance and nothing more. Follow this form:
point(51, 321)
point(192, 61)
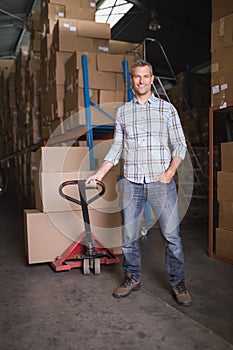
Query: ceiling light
point(154, 23)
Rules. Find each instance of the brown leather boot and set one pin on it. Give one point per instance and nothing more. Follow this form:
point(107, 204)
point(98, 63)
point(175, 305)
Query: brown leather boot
point(181, 294)
point(128, 285)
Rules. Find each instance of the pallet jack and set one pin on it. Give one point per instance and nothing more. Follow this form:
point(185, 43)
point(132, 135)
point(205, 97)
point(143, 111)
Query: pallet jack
point(88, 251)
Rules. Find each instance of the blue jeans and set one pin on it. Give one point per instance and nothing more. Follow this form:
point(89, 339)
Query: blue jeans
point(164, 203)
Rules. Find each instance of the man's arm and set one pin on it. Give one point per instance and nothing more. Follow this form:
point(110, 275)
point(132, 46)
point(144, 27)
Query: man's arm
point(167, 175)
point(113, 155)
point(101, 172)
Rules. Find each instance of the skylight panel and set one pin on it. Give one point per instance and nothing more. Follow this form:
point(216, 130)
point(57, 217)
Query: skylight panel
point(111, 11)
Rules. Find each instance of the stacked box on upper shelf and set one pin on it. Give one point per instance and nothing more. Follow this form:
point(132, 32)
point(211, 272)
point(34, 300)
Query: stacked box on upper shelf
point(222, 52)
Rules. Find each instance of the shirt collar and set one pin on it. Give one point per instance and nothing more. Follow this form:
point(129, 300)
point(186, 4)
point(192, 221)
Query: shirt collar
point(150, 100)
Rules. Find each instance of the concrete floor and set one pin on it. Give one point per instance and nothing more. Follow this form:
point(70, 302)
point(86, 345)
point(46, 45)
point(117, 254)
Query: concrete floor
point(43, 309)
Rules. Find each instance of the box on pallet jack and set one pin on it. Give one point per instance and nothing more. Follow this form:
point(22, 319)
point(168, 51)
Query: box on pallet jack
point(48, 235)
point(48, 199)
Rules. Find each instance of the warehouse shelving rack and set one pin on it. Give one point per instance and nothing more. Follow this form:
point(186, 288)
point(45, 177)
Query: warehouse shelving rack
point(88, 103)
point(212, 185)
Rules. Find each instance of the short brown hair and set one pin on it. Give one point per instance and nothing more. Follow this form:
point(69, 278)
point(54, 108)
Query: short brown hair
point(141, 63)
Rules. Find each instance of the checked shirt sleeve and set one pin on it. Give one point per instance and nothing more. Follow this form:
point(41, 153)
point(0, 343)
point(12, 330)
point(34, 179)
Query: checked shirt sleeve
point(115, 151)
point(176, 134)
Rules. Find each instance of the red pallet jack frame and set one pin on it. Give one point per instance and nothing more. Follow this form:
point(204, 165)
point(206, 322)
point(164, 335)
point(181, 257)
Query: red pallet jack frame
point(88, 252)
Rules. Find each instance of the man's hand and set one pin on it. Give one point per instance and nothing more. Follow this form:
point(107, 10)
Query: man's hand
point(99, 175)
point(91, 181)
point(166, 177)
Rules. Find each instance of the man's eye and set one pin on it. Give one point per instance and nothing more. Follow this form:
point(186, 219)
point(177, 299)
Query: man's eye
point(139, 77)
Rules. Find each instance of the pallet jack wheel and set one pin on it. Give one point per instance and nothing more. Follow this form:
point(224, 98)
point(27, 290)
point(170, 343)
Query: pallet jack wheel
point(97, 266)
point(86, 266)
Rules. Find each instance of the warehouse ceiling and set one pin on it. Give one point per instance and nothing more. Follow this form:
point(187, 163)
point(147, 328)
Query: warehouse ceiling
point(13, 15)
point(183, 37)
point(181, 41)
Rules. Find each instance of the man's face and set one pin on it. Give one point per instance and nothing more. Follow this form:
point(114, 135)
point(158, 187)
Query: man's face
point(142, 80)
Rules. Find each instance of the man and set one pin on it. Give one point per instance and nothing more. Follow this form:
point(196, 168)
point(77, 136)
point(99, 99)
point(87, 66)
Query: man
point(149, 133)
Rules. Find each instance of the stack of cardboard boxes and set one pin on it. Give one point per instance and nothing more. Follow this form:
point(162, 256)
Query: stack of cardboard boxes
point(224, 233)
point(8, 108)
point(38, 81)
point(222, 53)
point(56, 223)
point(221, 98)
point(69, 31)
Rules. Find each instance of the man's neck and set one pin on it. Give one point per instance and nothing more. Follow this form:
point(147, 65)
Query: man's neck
point(142, 99)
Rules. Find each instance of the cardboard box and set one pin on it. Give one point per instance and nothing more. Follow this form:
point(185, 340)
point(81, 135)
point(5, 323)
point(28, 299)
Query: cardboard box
point(55, 11)
point(92, 29)
point(228, 35)
point(224, 243)
point(221, 89)
point(33, 22)
point(45, 131)
point(89, 28)
point(217, 34)
point(68, 9)
point(108, 96)
point(120, 82)
point(112, 62)
point(46, 43)
point(98, 117)
point(123, 47)
point(221, 33)
point(71, 3)
point(225, 186)
point(226, 215)
point(57, 66)
point(81, 13)
point(74, 102)
point(48, 198)
point(227, 156)
point(221, 61)
point(43, 240)
point(99, 80)
point(221, 8)
point(56, 92)
point(63, 159)
point(48, 236)
point(74, 63)
point(69, 42)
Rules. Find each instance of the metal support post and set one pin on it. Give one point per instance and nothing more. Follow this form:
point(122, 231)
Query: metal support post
point(87, 103)
point(125, 68)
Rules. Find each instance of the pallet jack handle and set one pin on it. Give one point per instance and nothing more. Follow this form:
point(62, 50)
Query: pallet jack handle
point(84, 204)
point(82, 188)
point(94, 253)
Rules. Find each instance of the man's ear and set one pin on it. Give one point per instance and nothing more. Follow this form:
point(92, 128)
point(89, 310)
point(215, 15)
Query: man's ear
point(152, 78)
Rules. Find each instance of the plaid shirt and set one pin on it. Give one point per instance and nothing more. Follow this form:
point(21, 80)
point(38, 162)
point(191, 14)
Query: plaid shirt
point(149, 135)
